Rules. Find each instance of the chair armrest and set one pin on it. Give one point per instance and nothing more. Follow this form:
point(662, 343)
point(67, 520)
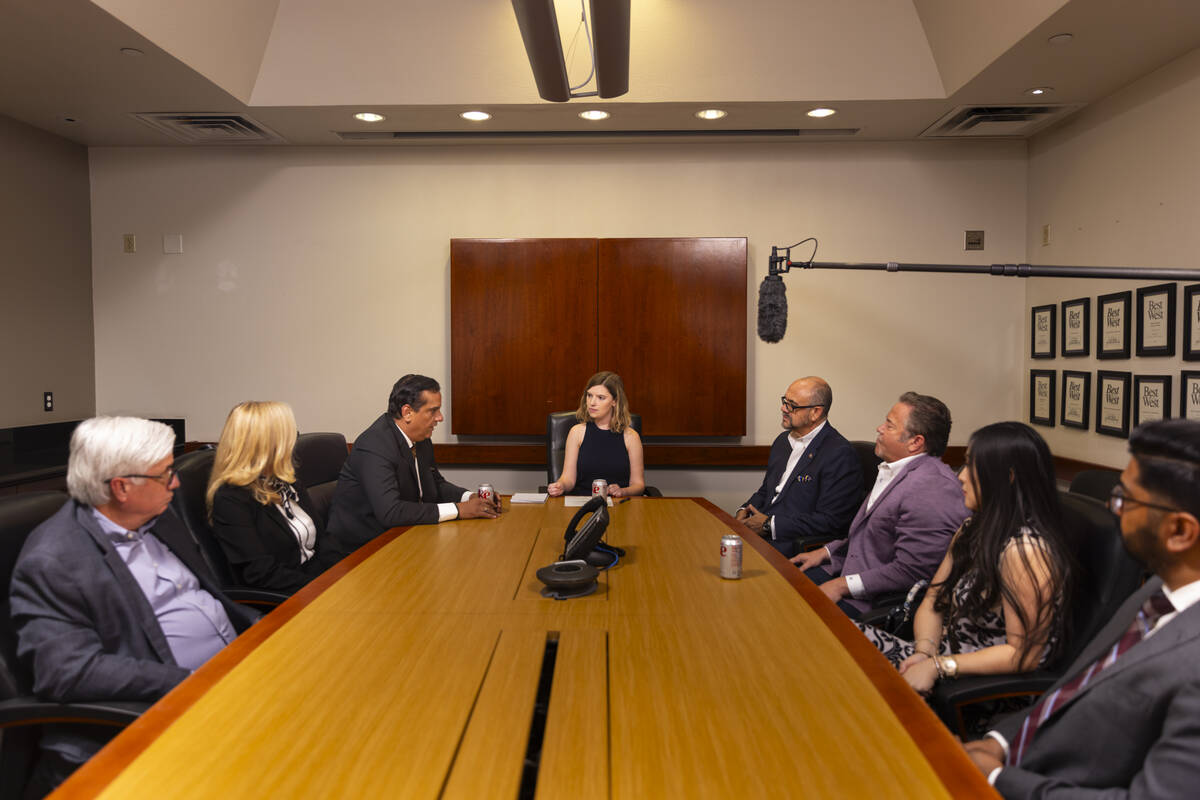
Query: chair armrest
point(949, 696)
point(28, 710)
point(256, 598)
point(651, 491)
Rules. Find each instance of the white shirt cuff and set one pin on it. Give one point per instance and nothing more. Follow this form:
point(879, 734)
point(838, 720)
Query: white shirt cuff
point(448, 511)
point(855, 585)
point(992, 776)
point(999, 737)
point(771, 522)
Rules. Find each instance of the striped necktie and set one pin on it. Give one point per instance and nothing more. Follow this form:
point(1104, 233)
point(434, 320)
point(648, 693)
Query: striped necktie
point(1156, 606)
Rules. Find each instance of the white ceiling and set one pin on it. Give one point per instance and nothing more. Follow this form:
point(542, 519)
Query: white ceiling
point(302, 67)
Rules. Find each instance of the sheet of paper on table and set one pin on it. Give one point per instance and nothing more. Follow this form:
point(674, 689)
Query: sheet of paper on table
point(529, 497)
point(576, 500)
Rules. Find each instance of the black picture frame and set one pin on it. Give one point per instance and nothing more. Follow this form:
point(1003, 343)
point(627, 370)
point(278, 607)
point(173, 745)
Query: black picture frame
point(1151, 392)
point(1041, 397)
point(1075, 411)
point(1112, 325)
point(1112, 410)
point(1191, 324)
point(1041, 331)
point(1156, 320)
point(1189, 395)
point(1076, 324)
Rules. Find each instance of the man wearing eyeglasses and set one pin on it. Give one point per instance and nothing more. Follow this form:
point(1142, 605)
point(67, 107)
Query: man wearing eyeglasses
point(1125, 719)
point(813, 482)
point(110, 597)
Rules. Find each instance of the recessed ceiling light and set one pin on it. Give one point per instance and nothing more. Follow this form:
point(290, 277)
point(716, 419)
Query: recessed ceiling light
point(711, 113)
point(822, 112)
point(475, 116)
point(131, 51)
point(1038, 91)
point(369, 116)
point(594, 114)
point(1060, 38)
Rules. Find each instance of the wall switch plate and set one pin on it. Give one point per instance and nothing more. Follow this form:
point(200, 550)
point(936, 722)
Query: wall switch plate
point(1046, 234)
point(129, 241)
point(48, 401)
point(172, 242)
point(974, 240)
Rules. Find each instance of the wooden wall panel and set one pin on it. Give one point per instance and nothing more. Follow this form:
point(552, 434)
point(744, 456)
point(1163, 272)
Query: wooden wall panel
point(522, 332)
point(672, 319)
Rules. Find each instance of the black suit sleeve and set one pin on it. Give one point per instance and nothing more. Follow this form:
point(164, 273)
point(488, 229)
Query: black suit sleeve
point(260, 553)
point(377, 475)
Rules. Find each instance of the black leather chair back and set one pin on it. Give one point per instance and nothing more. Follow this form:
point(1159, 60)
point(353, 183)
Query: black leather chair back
point(1107, 573)
point(319, 458)
point(558, 425)
point(869, 463)
point(1095, 483)
point(194, 470)
point(19, 515)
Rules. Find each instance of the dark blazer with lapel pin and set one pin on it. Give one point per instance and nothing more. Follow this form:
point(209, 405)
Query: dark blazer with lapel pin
point(258, 543)
point(1133, 731)
point(84, 628)
point(377, 488)
point(903, 537)
point(820, 496)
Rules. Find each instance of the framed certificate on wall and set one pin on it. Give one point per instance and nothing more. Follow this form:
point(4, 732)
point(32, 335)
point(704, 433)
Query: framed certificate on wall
point(1076, 396)
point(1112, 403)
point(1041, 331)
point(1041, 397)
point(1112, 326)
point(1191, 324)
point(1189, 395)
point(1156, 320)
point(1151, 398)
point(1076, 327)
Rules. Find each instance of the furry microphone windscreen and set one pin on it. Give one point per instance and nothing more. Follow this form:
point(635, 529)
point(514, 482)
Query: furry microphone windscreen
point(772, 309)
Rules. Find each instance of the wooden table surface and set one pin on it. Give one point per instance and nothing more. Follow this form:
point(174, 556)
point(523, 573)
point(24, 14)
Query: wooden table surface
point(411, 670)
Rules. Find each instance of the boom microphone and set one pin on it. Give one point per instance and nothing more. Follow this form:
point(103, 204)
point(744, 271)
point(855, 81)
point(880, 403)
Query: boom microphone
point(772, 309)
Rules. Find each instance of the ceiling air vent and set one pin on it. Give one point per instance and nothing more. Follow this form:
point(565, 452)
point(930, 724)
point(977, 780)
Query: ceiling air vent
point(211, 128)
point(997, 121)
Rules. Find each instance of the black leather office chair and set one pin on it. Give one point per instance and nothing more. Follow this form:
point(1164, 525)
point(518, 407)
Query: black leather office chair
point(1095, 483)
point(1108, 575)
point(558, 425)
point(22, 714)
point(194, 469)
point(319, 458)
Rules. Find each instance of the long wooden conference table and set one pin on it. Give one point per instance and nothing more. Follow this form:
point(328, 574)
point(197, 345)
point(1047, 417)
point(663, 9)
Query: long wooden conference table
point(412, 670)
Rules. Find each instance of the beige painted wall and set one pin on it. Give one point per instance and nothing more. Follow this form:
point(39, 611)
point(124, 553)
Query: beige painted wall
point(319, 276)
point(1117, 185)
point(45, 278)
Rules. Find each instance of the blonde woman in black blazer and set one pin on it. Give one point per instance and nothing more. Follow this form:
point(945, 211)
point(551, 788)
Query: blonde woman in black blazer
point(262, 518)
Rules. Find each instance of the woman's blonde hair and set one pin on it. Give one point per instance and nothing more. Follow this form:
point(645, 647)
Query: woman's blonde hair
point(256, 446)
point(612, 382)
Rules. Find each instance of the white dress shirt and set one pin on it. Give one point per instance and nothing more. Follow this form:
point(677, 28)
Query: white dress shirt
point(799, 445)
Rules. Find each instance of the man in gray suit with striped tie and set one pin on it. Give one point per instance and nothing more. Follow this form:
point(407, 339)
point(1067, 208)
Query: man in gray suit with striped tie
point(1125, 719)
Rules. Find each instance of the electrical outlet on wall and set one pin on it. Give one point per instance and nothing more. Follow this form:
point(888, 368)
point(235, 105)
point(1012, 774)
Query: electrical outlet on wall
point(48, 401)
point(129, 243)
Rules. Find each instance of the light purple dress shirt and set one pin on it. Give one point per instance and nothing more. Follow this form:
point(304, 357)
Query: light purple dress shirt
point(194, 622)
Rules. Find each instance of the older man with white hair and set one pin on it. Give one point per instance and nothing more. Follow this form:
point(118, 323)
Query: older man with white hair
point(111, 598)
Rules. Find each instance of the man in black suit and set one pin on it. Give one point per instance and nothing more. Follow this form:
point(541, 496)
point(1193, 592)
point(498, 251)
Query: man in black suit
point(390, 478)
point(814, 482)
point(1125, 719)
point(111, 598)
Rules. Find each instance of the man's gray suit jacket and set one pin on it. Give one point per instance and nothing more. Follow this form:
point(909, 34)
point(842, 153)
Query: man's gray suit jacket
point(1133, 731)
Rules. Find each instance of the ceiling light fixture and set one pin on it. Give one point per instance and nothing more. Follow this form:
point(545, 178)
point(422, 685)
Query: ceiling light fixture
point(131, 51)
point(711, 113)
point(822, 112)
point(608, 41)
point(594, 114)
point(369, 116)
point(1038, 91)
point(476, 116)
point(1060, 38)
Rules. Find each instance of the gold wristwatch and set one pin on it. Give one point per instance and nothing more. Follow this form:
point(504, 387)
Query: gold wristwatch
point(949, 666)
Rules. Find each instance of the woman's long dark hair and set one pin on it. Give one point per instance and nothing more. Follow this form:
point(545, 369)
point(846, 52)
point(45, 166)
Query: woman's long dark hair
point(1013, 479)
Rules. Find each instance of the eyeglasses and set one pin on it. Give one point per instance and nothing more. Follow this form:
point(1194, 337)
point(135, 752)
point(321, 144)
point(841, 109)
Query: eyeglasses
point(165, 477)
point(1117, 500)
point(793, 407)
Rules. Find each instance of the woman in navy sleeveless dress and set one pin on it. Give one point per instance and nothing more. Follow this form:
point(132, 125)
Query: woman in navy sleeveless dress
point(603, 444)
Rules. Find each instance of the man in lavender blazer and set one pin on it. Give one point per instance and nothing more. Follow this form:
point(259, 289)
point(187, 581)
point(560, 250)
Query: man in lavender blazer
point(903, 528)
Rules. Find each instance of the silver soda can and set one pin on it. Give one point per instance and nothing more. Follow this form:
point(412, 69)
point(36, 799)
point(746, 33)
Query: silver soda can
point(731, 556)
point(600, 487)
point(486, 493)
